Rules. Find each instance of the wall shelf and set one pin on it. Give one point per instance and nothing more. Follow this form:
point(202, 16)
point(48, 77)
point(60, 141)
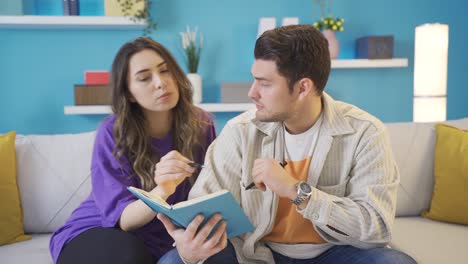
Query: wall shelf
point(220, 107)
point(68, 22)
point(366, 63)
point(105, 109)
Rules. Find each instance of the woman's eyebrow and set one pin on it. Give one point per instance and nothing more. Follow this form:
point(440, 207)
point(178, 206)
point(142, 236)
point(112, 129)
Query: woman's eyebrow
point(144, 70)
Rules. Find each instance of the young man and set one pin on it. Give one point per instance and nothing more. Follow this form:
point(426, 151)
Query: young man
point(325, 179)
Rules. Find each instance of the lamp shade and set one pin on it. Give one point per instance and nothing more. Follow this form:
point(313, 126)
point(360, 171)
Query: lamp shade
point(430, 109)
point(430, 72)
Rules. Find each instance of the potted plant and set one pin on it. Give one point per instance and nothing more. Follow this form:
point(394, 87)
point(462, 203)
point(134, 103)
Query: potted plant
point(192, 51)
point(329, 25)
point(138, 10)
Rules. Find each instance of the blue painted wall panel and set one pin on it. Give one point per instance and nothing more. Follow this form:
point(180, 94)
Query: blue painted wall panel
point(38, 68)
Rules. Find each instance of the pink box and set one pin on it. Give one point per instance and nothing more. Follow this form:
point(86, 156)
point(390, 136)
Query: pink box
point(97, 77)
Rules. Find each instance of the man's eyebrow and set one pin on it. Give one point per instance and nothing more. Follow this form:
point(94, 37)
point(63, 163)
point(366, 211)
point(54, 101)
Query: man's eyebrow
point(261, 79)
point(144, 70)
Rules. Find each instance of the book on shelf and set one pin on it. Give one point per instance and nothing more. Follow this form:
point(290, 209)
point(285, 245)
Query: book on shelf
point(184, 212)
point(99, 94)
point(66, 7)
point(71, 7)
point(74, 7)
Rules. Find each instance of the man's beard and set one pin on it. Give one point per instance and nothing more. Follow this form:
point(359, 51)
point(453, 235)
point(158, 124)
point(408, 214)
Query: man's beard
point(272, 117)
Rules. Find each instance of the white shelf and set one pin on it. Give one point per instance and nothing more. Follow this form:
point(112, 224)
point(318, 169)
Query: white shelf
point(69, 22)
point(220, 107)
point(105, 109)
point(366, 63)
point(87, 109)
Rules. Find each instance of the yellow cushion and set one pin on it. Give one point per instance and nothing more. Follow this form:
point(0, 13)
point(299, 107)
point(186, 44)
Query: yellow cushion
point(11, 216)
point(450, 198)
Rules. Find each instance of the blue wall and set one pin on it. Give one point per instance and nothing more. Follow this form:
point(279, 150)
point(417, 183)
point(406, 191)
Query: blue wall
point(38, 68)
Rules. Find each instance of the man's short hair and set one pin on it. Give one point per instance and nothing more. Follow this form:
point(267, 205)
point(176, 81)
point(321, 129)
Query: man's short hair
point(299, 51)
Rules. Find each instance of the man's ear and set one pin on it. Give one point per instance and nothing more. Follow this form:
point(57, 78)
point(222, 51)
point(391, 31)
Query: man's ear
point(306, 87)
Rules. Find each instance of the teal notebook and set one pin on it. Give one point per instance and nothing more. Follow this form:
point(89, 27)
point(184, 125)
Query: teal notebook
point(183, 213)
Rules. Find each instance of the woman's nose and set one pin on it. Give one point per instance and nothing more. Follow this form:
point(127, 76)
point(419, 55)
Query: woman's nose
point(157, 82)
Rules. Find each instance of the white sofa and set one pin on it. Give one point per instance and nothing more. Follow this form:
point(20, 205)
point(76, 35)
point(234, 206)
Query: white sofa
point(53, 178)
point(427, 241)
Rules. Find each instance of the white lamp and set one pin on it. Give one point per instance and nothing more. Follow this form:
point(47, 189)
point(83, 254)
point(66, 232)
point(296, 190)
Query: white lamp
point(430, 73)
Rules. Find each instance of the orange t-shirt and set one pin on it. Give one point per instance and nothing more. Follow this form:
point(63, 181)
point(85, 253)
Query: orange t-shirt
point(290, 226)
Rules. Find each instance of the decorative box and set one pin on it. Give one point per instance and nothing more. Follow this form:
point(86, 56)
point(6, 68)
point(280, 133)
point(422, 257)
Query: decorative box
point(235, 92)
point(93, 94)
point(97, 77)
point(374, 47)
point(11, 8)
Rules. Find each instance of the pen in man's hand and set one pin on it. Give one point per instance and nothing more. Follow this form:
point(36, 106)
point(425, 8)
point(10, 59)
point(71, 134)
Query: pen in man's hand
point(196, 165)
point(250, 186)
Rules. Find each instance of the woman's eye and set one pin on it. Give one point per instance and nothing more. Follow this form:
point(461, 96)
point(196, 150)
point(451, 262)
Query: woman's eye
point(144, 79)
point(164, 71)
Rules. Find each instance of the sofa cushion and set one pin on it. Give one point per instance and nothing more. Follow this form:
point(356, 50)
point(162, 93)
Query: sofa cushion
point(430, 242)
point(35, 250)
point(413, 149)
point(449, 198)
point(53, 177)
point(11, 220)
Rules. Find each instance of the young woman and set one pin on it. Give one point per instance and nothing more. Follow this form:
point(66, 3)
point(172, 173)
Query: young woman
point(149, 141)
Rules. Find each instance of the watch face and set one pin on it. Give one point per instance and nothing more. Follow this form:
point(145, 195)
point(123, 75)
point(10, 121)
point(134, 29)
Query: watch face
point(305, 187)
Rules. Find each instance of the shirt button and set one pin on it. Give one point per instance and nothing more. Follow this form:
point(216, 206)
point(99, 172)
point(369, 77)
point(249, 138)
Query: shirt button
point(315, 216)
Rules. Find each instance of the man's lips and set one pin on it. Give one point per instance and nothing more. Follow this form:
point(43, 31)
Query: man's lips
point(259, 106)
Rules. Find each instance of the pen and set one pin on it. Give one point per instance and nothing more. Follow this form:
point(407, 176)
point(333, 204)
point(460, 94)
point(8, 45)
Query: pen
point(196, 165)
point(250, 186)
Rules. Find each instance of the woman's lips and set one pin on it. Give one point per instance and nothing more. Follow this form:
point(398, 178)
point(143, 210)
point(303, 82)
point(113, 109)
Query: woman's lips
point(164, 96)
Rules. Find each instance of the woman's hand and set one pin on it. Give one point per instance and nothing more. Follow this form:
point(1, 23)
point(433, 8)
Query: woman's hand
point(194, 246)
point(170, 171)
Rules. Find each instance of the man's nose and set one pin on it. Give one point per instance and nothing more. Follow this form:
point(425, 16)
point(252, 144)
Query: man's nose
point(253, 94)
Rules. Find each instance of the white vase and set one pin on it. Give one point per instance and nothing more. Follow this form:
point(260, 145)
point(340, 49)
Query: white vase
point(196, 81)
point(333, 44)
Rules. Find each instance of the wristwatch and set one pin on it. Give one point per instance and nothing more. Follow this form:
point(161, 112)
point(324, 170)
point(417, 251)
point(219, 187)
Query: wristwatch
point(303, 190)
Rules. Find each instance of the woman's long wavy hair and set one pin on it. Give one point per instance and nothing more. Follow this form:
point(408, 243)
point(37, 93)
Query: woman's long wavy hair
point(131, 130)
